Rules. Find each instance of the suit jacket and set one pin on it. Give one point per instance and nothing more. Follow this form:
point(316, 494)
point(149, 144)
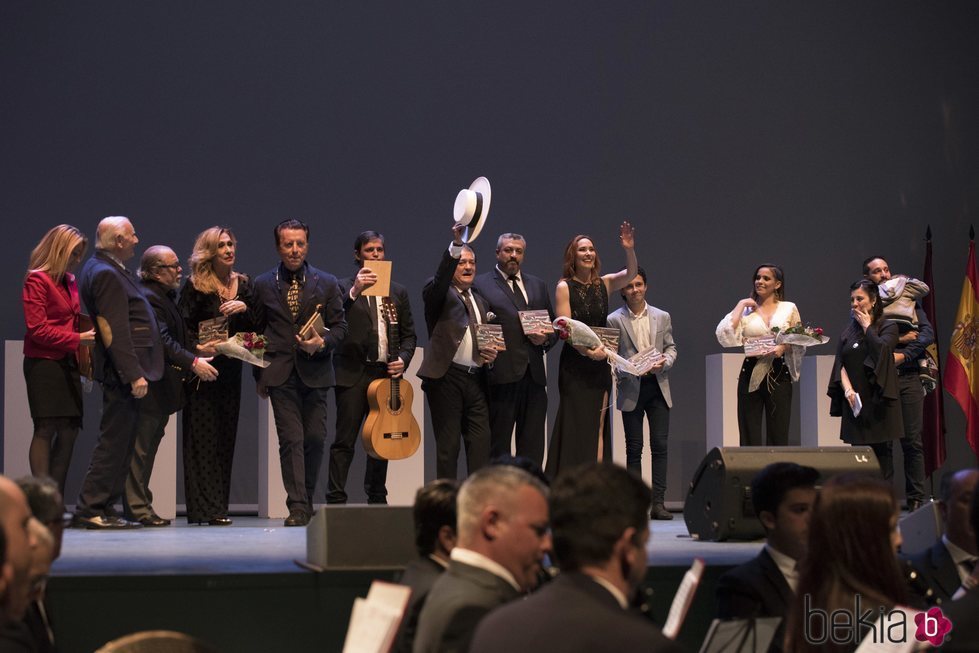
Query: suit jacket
point(350, 356)
point(965, 627)
point(938, 570)
point(511, 365)
point(572, 613)
point(420, 574)
point(51, 314)
point(273, 317)
point(127, 342)
point(661, 336)
point(457, 601)
point(755, 589)
point(167, 394)
point(446, 318)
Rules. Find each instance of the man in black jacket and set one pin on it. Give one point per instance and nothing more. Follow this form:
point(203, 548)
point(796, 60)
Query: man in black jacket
point(159, 273)
point(362, 357)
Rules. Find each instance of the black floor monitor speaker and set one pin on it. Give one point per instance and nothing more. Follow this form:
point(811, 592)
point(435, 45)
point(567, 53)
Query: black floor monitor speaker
point(718, 505)
point(361, 537)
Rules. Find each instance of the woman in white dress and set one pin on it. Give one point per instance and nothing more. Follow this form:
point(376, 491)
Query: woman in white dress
point(765, 383)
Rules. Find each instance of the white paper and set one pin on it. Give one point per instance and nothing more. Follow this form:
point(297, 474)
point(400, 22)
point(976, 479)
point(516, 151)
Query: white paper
point(683, 599)
point(857, 405)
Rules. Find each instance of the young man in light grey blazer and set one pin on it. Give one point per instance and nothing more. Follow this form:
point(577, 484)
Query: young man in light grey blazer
point(642, 326)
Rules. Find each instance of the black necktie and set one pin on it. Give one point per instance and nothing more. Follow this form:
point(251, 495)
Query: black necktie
point(472, 325)
point(521, 302)
point(372, 339)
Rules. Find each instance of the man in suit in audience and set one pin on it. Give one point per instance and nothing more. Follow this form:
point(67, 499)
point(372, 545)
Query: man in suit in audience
point(642, 326)
point(159, 273)
point(952, 558)
point(435, 537)
point(600, 528)
point(502, 539)
point(300, 371)
point(453, 372)
point(362, 357)
point(963, 609)
point(782, 495)
point(517, 381)
point(128, 355)
point(15, 518)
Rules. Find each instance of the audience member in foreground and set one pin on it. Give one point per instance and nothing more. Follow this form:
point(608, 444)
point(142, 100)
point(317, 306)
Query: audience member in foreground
point(782, 495)
point(963, 609)
point(502, 538)
point(600, 527)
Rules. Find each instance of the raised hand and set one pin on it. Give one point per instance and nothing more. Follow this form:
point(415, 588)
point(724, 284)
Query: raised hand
point(627, 235)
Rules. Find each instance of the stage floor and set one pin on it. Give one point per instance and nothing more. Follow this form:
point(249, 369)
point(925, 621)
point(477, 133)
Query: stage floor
point(256, 546)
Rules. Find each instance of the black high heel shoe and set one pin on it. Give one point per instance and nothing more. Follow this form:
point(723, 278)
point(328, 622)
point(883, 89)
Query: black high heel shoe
point(220, 521)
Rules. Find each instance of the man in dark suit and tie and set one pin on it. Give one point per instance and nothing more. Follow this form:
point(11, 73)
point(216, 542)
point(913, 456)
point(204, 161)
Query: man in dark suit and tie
point(517, 381)
point(362, 357)
point(453, 371)
point(952, 558)
point(502, 539)
point(300, 371)
point(159, 273)
point(642, 326)
point(600, 527)
point(963, 609)
point(128, 355)
point(782, 495)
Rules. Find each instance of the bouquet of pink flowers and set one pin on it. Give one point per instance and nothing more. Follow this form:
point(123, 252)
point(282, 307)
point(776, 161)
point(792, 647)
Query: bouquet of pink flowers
point(247, 346)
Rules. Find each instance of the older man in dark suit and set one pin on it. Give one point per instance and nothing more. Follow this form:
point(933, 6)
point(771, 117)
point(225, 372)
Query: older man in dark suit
point(159, 273)
point(946, 564)
point(502, 539)
point(128, 355)
point(453, 371)
point(300, 371)
point(782, 495)
point(362, 357)
point(963, 609)
point(517, 380)
point(600, 527)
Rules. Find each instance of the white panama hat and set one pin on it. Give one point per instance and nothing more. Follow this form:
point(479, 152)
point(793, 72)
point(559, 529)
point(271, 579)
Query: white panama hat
point(472, 208)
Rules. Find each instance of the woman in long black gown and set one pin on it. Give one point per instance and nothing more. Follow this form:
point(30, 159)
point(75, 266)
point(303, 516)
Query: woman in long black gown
point(864, 374)
point(582, 431)
point(210, 419)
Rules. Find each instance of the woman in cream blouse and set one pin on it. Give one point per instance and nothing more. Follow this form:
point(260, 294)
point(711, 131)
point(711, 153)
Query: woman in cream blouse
point(765, 383)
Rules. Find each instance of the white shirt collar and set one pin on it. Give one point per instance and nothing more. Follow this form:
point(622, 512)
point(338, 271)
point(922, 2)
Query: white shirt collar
point(506, 277)
point(470, 557)
point(638, 316)
point(786, 564)
point(613, 590)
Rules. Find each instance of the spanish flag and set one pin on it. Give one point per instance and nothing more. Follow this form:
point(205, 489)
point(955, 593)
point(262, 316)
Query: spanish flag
point(962, 366)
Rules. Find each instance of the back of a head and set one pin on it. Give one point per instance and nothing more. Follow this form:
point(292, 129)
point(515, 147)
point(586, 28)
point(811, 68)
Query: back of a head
point(590, 508)
point(43, 497)
point(435, 507)
point(850, 542)
point(493, 485)
point(773, 482)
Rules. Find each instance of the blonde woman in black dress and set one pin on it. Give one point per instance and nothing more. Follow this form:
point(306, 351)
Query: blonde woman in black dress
point(582, 431)
point(211, 416)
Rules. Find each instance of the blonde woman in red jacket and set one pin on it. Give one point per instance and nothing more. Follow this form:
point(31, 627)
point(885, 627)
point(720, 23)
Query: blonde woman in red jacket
point(51, 314)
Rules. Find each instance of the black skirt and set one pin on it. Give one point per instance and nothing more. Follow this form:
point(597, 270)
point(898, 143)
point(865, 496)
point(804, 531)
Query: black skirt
point(54, 388)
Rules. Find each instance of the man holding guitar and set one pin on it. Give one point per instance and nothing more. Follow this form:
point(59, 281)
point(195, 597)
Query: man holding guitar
point(366, 354)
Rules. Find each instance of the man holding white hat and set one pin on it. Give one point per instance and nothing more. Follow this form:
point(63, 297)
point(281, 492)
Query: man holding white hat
point(453, 372)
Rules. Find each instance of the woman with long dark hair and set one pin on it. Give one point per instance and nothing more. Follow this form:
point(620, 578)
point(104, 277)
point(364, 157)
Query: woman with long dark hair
point(863, 389)
point(767, 374)
point(851, 564)
point(51, 314)
point(581, 431)
point(210, 419)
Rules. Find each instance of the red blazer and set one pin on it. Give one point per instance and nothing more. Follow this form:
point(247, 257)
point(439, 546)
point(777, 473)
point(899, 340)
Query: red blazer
point(51, 313)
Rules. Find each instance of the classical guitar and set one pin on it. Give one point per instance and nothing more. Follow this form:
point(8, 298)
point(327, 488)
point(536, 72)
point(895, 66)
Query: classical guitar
point(390, 431)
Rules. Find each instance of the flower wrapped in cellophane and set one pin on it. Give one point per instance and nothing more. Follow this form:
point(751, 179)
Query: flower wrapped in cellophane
point(247, 346)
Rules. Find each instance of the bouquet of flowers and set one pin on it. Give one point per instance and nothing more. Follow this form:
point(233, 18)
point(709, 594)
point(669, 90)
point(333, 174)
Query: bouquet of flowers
point(247, 346)
point(806, 336)
point(580, 334)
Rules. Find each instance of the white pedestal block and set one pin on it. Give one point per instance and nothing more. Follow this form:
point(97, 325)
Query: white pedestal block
point(18, 428)
point(271, 492)
point(818, 428)
point(722, 400)
point(163, 482)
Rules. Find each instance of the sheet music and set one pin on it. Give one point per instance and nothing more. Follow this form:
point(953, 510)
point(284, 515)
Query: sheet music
point(683, 598)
